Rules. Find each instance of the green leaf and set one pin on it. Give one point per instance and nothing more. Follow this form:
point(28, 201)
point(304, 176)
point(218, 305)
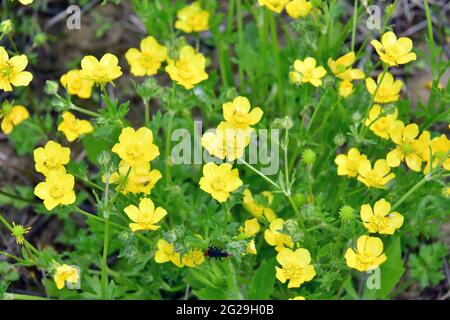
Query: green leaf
point(263, 281)
point(390, 272)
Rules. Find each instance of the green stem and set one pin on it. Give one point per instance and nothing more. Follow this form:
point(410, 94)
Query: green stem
point(10, 228)
point(355, 20)
point(411, 191)
point(147, 112)
point(167, 161)
point(16, 197)
point(17, 296)
point(276, 53)
point(104, 275)
point(240, 40)
point(82, 110)
point(316, 111)
point(260, 174)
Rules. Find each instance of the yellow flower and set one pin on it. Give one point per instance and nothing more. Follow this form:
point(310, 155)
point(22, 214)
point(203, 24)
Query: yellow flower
point(256, 209)
point(192, 18)
point(136, 147)
point(141, 179)
point(369, 254)
point(76, 84)
point(380, 123)
point(251, 227)
point(380, 220)
point(274, 5)
point(408, 147)
point(377, 177)
point(189, 69)
point(73, 127)
point(345, 89)
point(298, 8)
point(306, 71)
point(146, 216)
point(348, 164)
point(13, 117)
point(148, 60)
point(25, 2)
point(227, 141)
point(238, 113)
point(440, 146)
point(341, 68)
point(165, 253)
point(51, 157)
point(101, 72)
point(251, 247)
point(275, 237)
point(388, 91)
point(393, 51)
point(193, 258)
point(11, 71)
point(57, 189)
point(296, 267)
point(298, 298)
point(219, 180)
point(65, 273)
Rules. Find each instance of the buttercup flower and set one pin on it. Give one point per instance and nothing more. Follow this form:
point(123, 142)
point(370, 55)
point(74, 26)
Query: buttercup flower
point(219, 180)
point(51, 157)
point(193, 258)
point(227, 141)
point(298, 298)
point(341, 67)
point(141, 179)
point(380, 124)
point(146, 216)
point(393, 51)
point(165, 253)
point(296, 267)
point(298, 8)
point(258, 210)
point(26, 2)
point(306, 71)
point(274, 5)
point(408, 147)
point(348, 164)
point(377, 177)
point(18, 232)
point(440, 146)
point(13, 116)
point(388, 91)
point(73, 127)
point(238, 113)
point(369, 254)
point(189, 69)
point(12, 71)
point(380, 220)
point(275, 237)
point(345, 89)
point(136, 147)
point(251, 227)
point(192, 18)
point(148, 60)
point(57, 189)
point(65, 273)
point(101, 72)
point(75, 84)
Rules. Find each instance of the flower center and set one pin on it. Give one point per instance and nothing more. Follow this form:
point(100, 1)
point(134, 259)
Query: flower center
point(6, 70)
point(147, 60)
point(134, 152)
point(218, 184)
point(56, 191)
point(51, 163)
point(407, 148)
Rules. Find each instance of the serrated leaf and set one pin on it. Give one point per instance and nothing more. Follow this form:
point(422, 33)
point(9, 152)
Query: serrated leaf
point(262, 284)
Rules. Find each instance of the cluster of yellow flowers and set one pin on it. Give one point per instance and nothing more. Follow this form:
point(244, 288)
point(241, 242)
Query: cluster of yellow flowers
point(294, 8)
point(229, 141)
point(58, 185)
point(166, 253)
point(65, 273)
point(12, 74)
point(307, 71)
